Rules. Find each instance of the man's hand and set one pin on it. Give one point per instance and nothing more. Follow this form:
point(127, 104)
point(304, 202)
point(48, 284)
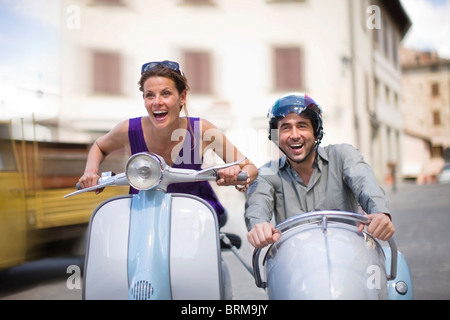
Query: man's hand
point(380, 226)
point(262, 235)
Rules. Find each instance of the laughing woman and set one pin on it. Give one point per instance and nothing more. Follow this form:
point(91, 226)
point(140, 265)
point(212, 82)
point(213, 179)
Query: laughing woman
point(181, 141)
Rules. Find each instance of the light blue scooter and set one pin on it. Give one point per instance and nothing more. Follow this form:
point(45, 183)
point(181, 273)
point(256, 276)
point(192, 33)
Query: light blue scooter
point(155, 245)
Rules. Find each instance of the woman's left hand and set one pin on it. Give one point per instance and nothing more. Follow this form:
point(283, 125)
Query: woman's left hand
point(229, 177)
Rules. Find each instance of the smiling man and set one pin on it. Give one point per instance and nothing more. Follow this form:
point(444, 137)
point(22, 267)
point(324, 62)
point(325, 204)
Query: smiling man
point(310, 178)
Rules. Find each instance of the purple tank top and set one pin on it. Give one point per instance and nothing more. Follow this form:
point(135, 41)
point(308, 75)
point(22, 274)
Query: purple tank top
point(202, 189)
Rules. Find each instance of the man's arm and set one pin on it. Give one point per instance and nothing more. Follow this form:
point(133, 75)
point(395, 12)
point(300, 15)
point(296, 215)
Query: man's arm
point(359, 176)
point(259, 212)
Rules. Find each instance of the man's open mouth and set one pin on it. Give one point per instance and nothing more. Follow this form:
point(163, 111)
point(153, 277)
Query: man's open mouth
point(296, 146)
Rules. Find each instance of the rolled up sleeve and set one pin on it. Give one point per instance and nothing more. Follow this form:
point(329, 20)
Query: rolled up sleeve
point(360, 177)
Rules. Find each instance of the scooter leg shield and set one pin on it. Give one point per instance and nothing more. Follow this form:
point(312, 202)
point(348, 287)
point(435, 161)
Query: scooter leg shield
point(105, 270)
point(186, 264)
point(195, 258)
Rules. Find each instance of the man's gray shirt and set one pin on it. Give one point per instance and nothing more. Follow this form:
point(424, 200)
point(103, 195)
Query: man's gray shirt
point(340, 181)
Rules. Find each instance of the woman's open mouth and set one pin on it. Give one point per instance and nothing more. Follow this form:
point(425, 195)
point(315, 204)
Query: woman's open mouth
point(160, 115)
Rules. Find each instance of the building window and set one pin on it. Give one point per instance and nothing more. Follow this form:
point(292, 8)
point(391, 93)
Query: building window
point(435, 89)
point(107, 72)
point(275, 1)
point(436, 118)
point(366, 91)
point(386, 28)
point(437, 151)
point(197, 67)
point(288, 68)
point(198, 2)
point(107, 2)
point(395, 44)
point(376, 33)
point(376, 86)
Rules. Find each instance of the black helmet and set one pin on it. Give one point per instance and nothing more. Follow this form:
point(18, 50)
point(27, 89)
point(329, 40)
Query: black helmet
point(297, 103)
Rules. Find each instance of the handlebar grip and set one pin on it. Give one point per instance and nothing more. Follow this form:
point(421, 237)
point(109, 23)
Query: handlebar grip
point(242, 176)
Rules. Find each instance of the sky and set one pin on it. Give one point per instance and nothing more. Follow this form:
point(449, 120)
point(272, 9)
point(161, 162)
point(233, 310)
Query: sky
point(29, 58)
point(29, 46)
point(29, 35)
point(430, 30)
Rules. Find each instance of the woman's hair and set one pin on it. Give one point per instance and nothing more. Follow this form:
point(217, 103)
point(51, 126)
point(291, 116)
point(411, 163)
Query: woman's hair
point(178, 78)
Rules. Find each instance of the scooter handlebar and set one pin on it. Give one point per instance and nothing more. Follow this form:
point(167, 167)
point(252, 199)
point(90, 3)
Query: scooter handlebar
point(242, 176)
point(110, 178)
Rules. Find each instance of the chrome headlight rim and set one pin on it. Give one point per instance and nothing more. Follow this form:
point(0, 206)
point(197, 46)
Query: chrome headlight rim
point(144, 170)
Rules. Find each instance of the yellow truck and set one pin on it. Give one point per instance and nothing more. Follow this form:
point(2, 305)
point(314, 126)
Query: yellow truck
point(35, 219)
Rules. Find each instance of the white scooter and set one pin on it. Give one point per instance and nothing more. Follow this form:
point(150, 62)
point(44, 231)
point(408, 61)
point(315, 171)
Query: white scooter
point(320, 255)
point(156, 245)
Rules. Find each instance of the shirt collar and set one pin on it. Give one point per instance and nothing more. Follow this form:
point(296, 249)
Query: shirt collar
point(322, 153)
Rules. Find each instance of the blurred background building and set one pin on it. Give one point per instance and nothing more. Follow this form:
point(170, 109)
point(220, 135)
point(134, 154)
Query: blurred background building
point(426, 112)
point(239, 57)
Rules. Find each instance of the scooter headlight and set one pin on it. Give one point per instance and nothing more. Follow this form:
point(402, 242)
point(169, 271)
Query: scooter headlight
point(144, 171)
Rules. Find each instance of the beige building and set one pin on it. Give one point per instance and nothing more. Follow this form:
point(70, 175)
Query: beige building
point(239, 57)
point(426, 111)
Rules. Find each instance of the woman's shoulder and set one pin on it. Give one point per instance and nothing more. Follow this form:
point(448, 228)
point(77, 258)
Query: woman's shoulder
point(133, 123)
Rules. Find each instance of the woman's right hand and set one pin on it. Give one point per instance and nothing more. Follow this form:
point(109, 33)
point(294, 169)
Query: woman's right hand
point(89, 179)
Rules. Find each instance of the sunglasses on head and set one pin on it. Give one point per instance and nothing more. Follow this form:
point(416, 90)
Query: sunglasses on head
point(166, 63)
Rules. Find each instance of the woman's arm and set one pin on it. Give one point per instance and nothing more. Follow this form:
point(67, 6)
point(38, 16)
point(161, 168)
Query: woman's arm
point(114, 140)
point(213, 139)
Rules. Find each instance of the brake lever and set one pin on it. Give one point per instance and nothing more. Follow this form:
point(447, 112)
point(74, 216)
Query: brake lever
point(106, 181)
point(214, 171)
